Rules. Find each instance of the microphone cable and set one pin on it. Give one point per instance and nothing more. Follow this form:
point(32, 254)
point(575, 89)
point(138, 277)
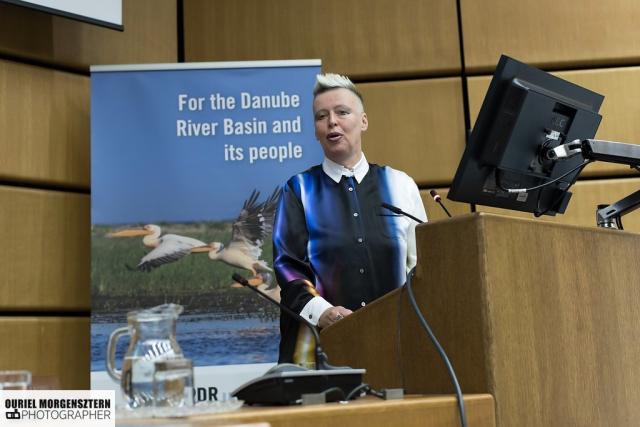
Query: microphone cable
point(423, 322)
point(399, 338)
point(434, 340)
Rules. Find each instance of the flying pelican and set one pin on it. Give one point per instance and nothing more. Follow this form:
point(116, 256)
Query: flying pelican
point(263, 282)
point(249, 231)
point(167, 248)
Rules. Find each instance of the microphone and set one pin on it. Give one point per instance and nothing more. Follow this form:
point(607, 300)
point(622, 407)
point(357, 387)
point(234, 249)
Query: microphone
point(321, 356)
point(287, 384)
point(399, 211)
point(438, 200)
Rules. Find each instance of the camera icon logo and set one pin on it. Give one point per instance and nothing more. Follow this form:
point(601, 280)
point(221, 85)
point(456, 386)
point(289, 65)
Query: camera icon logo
point(15, 415)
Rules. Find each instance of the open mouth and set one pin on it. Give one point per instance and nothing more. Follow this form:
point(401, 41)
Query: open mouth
point(334, 136)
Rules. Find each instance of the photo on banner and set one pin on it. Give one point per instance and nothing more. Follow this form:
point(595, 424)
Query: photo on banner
point(187, 162)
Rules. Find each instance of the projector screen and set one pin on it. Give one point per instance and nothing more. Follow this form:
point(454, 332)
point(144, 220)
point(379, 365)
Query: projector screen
point(107, 13)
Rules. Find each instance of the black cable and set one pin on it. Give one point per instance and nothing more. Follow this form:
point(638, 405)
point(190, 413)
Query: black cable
point(553, 205)
point(352, 393)
point(375, 393)
point(443, 355)
point(399, 339)
point(333, 394)
point(367, 390)
point(537, 187)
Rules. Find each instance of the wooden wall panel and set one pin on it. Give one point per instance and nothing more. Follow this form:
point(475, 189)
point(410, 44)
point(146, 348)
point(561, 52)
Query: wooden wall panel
point(587, 195)
point(45, 251)
point(48, 346)
point(416, 126)
point(150, 35)
point(435, 212)
point(620, 110)
point(550, 33)
point(44, 125)
point(372, 38)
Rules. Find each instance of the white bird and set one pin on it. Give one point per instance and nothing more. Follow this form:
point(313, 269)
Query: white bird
point(249, 231)
point(167, 248)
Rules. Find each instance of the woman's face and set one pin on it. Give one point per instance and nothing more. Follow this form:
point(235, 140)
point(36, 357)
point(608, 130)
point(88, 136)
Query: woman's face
point(340, 121)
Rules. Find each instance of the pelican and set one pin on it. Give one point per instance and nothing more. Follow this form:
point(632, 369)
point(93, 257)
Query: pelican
point(249, 230)
point(167, 248)
point(263, 283)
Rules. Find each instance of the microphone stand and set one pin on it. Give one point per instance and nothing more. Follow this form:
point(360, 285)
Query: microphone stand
point(436, 198)
point(399, 211)
point(322, 362)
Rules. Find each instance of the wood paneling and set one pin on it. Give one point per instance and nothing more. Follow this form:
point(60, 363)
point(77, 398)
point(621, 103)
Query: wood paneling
point(550, 33)
point(527, 311)
point(434, 211)
point(373, 38)
point(44, 125)
point(558, 326)
point(150, 35)
point(48, 346)
point(620, 110)
point(416, 126)
point(45, 251)
point(587, 195)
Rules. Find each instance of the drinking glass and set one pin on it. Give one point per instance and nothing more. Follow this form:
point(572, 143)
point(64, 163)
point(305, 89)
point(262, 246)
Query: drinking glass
point(15, 380)
point(173, 383)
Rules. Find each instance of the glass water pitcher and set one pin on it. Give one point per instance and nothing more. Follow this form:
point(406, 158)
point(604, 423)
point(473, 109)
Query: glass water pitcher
point(152, 338)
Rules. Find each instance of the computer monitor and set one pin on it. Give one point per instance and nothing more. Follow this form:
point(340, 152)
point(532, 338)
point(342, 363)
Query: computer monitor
point(525, 112)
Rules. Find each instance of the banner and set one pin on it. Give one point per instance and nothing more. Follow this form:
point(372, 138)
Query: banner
point(187, 161)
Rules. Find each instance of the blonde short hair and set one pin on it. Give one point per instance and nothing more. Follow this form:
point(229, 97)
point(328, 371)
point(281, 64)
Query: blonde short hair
point(328, 81)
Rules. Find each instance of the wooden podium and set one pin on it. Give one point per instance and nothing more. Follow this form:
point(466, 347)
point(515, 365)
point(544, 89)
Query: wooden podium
point(545, 317)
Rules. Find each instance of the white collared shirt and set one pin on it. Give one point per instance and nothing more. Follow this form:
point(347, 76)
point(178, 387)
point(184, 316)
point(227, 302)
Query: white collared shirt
point(335, 171)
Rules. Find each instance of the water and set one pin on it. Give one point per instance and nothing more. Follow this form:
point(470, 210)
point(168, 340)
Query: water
point(206, 339)
point(137, 382)
point(173, 388)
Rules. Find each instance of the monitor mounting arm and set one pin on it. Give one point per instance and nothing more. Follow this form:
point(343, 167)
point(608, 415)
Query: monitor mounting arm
point(604, 151)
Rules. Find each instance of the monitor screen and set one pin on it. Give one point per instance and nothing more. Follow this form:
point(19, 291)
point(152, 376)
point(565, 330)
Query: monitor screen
point(525, 112)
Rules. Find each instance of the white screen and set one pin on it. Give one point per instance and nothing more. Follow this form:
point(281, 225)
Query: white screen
point(102, 11)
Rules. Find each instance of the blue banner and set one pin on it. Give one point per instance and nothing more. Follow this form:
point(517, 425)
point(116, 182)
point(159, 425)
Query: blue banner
point(177, 151)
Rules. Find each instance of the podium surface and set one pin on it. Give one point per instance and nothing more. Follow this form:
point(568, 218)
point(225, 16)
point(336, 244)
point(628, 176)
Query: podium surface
point(418, 411)
point(543, 316)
